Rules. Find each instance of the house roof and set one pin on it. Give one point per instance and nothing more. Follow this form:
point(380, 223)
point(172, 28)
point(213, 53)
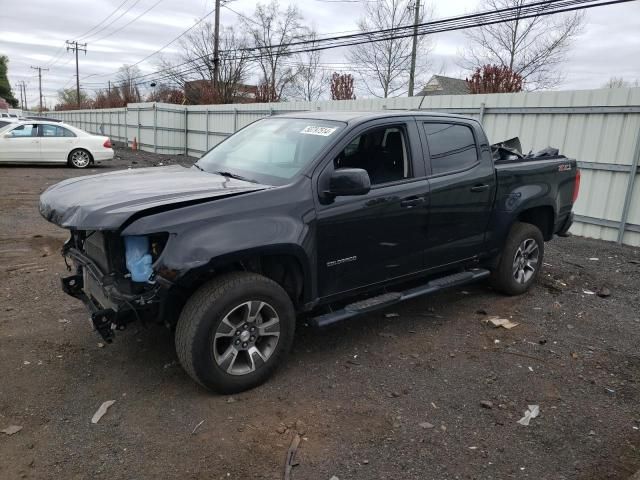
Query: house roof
point(441, 85)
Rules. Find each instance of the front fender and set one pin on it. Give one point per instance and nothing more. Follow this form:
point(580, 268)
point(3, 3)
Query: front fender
point(208, 235)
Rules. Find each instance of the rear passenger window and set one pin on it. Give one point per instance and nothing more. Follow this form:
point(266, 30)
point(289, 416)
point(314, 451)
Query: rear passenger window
point(451, 147)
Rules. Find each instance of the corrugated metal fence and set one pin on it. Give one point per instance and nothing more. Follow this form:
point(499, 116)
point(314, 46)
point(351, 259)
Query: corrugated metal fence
point(601, 128)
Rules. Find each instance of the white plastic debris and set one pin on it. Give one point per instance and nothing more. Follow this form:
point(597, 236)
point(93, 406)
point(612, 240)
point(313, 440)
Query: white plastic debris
point(11, 429)
point(502, 322)
point(594, 259)
point(101, 411)
point(588, 292)
point(532, 412)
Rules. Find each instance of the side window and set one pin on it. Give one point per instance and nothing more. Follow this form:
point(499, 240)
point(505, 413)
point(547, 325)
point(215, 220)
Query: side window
point(50, 130)
point(451, 147)
point(25, 131)
point(382, 152)
point(66, 132)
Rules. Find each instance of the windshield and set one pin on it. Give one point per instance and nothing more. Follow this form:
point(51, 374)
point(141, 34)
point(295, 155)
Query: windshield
point(270, 151)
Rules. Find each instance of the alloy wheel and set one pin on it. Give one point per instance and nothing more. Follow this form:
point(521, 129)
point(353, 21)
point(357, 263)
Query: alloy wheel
point(80, 159)
point(246, 337)
point(525, 261)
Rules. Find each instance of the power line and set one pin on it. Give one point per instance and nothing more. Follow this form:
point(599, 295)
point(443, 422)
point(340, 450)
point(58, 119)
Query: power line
point(535, 9)
point(128, 23)
point(198, 22)
point(103, 28)
point(113, 12)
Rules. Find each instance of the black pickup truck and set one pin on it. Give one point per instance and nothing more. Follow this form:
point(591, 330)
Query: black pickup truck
point(328, 213)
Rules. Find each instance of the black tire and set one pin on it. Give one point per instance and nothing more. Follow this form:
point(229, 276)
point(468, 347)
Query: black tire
point(201, 320)
point(75, 155)
point(507, 277)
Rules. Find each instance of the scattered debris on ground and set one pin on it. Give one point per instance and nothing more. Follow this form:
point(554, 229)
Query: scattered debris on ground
point(501, 322)
point(11, 429)
point(101, 411)
point(583, 350)
point(291, 456)
point(532, 412)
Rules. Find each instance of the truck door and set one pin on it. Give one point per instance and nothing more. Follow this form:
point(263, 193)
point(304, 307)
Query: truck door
point(462, 183)
point(366, 239)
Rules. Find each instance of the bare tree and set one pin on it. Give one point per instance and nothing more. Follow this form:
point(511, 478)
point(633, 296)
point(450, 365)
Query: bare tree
point(494, 79)
point(384, 66)
point(126, 86)
point(619, 82)
point(196, 63)
point(310, 79)
point(67, 99)
point(534, 48)
point(166, 94)
point(342, 87)
point(272, 30)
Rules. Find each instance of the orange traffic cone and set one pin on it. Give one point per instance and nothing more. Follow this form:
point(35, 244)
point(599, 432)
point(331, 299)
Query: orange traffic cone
point(134, 145)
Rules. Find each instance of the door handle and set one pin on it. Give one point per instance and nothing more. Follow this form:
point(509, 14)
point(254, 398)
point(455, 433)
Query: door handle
point(479, 188)
point(412, 202)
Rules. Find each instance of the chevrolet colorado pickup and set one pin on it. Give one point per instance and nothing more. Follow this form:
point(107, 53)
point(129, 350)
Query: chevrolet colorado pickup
point(330, 214)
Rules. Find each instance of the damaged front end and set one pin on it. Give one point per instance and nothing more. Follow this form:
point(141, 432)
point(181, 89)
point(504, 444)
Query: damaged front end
point(113, 276)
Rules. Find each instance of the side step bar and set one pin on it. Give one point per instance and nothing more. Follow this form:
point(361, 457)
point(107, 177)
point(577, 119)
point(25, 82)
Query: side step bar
point(386, 299)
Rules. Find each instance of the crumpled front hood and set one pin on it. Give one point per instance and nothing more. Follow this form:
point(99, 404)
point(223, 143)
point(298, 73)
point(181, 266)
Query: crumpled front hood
point(106, 201)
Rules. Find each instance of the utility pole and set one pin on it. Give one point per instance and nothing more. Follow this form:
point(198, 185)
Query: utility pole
point(19, 85)
point(40, 69)
point(109, 90)
point(24, 90)
point(75, 46)
point(412, 72)
point(216, 41)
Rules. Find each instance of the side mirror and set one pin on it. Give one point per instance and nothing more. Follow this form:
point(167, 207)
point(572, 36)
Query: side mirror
point(348, 182)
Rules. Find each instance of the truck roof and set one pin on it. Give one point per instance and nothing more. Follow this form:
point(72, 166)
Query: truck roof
point(348, 116)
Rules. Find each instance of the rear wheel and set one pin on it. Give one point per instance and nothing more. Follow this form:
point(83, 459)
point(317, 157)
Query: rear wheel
point(80, 158)
point(234, 331)
point(520, 261)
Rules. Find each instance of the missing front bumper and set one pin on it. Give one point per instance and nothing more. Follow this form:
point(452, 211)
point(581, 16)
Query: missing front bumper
point(104, 320)
point(110, 309)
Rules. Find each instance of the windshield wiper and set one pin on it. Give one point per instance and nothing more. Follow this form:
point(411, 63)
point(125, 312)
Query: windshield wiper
point(198, 167)
point(233, 175)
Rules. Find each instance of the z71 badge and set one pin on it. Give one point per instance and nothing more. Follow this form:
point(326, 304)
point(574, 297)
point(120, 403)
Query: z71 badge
point(565, 167)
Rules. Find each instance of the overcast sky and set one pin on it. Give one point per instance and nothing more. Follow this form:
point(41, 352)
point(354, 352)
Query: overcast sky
point(33, 33)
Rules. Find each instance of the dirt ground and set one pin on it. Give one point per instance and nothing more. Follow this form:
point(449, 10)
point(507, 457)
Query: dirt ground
point(378, 397)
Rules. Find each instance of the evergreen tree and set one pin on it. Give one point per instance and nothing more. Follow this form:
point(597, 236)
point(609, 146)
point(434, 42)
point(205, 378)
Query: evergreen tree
point(5, 87)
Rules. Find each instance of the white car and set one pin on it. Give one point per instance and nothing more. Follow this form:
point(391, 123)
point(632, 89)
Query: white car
point(37, 141)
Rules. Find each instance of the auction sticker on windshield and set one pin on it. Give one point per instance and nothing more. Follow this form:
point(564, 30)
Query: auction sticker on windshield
point(323, 131)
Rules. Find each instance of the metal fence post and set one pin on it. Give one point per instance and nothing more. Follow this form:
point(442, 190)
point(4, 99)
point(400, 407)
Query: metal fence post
point(138, 122)
point(629, 193)
point(126, 126)
point(186, 132)
point(481, 114)
point(155, 128)
point(206, 128)
point(235, 120)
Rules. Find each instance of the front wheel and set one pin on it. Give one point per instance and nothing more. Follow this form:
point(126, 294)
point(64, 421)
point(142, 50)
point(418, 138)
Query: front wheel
point(234, 331)
point(520, 261)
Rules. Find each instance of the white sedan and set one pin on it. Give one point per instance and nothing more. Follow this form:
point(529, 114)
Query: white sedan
point(37, 141)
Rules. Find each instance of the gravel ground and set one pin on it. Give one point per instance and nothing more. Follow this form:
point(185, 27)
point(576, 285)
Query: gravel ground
point(433, 392)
